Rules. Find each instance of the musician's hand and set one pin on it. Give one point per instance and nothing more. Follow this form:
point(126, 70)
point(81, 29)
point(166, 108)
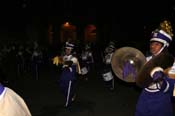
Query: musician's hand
point(158, 75)
point(69, 63)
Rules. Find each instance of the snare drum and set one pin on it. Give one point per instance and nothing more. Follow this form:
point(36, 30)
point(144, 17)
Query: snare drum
point(107, 76)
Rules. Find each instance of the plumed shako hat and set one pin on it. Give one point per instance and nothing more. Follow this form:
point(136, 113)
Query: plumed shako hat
point(163, 34)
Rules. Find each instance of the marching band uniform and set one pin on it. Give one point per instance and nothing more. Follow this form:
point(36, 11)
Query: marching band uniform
point(107, 75)
point(20, 61)
point(68, 78)
point(86, 61)
point(36, 61)
point(11, 104)
point(155, 98)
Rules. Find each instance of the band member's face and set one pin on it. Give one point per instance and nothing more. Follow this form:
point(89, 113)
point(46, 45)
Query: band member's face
point(155, 47)
point(68, 51)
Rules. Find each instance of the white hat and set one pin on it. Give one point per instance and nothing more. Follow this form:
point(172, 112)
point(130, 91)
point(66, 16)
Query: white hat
point(162, 37)
point(69, 45)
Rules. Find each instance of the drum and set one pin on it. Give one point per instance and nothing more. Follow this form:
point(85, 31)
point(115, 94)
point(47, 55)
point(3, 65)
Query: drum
point(107, 76)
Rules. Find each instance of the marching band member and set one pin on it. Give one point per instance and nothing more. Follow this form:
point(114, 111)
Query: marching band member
point(11, 104)
point(86, 61)
point(70, 71)
point(36, 59)
point(20, 61)
point(155, 98)
point(107, 75)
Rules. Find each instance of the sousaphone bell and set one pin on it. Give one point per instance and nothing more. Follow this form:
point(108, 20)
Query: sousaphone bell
point(126, 63)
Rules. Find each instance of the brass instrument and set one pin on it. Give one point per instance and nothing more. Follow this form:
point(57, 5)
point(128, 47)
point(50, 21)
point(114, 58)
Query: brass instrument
point(142, 68)
point(57, 60)
point(163, 60)
point(127, 54)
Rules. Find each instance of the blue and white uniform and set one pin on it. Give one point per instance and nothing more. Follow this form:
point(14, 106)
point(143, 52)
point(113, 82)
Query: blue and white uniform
point(11, 104)
point(86, 61)
point(107, 71)
point(68, 78)
point(155, 99)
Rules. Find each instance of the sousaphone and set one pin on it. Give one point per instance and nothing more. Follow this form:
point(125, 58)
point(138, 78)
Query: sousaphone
point(126, 63)
point(164, 60)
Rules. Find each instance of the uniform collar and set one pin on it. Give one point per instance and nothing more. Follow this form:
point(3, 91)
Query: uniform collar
point(1, 89)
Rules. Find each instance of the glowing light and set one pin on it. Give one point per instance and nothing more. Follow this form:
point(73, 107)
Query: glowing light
point(131, 61)
point(66, 24)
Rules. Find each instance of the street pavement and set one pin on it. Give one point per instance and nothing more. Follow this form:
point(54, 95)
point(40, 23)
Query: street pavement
point(43, 97)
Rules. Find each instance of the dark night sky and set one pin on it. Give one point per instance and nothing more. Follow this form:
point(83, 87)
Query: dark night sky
point(146, 12)
point(129, 17)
